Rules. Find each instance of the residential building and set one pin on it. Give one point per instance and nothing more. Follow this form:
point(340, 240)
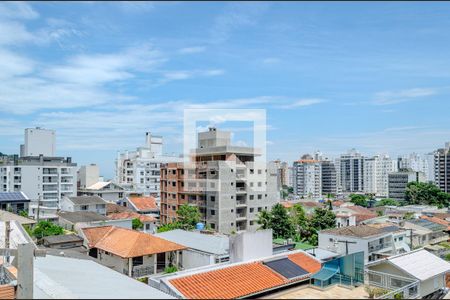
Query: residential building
point(149, 223)
point(442, 168)
point(39, 141)
point(84, 203)
point(63, 241)
point(425, 232)
point(418, 163)
point(240, 280)
point(203, 249)
point(419, 272)
point(139, 171)
point(228, 183)
point(352, 215)
point(145, 205)
point(329, 177)
point(375, 240)
point(308, 177)
point(107, 190)
point(14, 202)
point(351, 172)
point(69, 220)
point(376, 170)
point(8, 216)
point(57, 277)
point(88, 175)
point(131, 252)
point(398, 182)
point(45, 180)
point(282, 173)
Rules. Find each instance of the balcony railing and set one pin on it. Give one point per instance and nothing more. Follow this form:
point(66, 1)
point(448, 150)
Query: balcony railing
point(407, 288)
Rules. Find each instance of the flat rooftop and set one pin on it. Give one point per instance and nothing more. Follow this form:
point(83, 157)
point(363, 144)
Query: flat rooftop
point(309, 292)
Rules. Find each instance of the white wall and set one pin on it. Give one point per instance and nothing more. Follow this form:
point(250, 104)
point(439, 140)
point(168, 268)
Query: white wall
point(251, 245)
point(39, 141)
point(195, 259)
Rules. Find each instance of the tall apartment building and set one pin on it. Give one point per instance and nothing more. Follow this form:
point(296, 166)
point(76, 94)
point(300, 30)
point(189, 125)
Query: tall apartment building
point(88, 175)
point(227, 183)
point(283, 173)
point(399, 180)
point(351, 172)
point(329, 177)
point(139, 171)
point(308, 177)
point(376, 170)
point(44, 179)
point(39, 141)
point(442, 168)
point(418, 163)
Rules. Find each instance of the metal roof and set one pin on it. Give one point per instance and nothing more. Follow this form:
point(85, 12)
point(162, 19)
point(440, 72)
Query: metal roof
point(420, 264)
point(428, 224)
point(86, 200)
point(62, 277)
point(81, 216)
point(215, 244)
point(13, 197)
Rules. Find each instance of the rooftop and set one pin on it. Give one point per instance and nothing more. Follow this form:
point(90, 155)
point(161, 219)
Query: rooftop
point(63, 238)
point(81, 216)
point(308, 292)
point(131, 215)
point(13, 197)
point(86, 200)
point(143, 203)
point(115, 208)
point(127, 243)
point(215, 244)
point(63, 277)
point(362, 231)
point(245, 279)
point(433, 226)
point(8, 216)
point(102, 184)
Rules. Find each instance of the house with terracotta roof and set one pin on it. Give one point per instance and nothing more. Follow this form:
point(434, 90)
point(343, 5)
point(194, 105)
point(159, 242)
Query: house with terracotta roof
point(131, 252)
point(352, 215)
point(149, 222)
point(239, 280)
point(141, 204)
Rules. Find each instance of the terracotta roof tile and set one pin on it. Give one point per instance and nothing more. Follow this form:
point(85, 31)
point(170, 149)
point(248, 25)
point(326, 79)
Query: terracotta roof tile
point(306, 262)
point(114, 208)
point(143, 203)
point(131, 215)
point(228, 283)
point(437, 221)
point(127, 243)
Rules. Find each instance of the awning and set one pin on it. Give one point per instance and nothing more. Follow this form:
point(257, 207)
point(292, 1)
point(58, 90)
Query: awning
point(329, 270)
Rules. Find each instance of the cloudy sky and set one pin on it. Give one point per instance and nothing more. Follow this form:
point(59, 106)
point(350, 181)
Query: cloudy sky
point(331, 76)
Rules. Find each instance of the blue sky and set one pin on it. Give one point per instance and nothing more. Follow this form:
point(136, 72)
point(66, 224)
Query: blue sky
point(332, 76)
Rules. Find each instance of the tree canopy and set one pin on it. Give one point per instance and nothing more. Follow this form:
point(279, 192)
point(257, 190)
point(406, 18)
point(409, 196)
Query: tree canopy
point(358, 199)
point(387, 202)
point(279, 222)
point(46, 228)
point(426, 193)
point(137, 224)
point(188, 216)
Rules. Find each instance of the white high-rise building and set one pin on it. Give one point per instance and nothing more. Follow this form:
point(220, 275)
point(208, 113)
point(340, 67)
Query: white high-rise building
point(418, 163)
point(88, 175)
point(39, 141)
point(139, 171)
point(44, 179)
point(376, 171)
point(308, 177)
point(350, 167)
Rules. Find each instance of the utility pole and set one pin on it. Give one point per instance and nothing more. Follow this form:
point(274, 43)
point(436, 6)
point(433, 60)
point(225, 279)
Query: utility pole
point(346, 245)
point(39, 203)
point(410, 238)
point(7, 234)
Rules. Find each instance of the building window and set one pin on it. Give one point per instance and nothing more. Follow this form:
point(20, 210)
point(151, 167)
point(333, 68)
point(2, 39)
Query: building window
point(259, 197)
point(84, 207)
point(252, 209)
point(251, 197)
point(251, 223)
point(232, 197)
point(259, 209)
point(259, 184)
point(232, 210)
point(232, 224)
point(213, 226)
point(213, 212)
point(252, 171)
point(259, 171)
point(212, 198)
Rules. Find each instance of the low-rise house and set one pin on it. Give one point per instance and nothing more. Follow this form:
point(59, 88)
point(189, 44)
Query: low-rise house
point(203, 249)
point(58, 277)
point(8, 216)
point(107, 190)
point(352, 215)
point(141, 204)
point(131, 252)
point(239, 280)
point(437, 220)
point(375, 240)
point(416, 274)
point(425, 232)
point(14, 202)
point(148, 222)
point(84, 203)
point(63, 241)
point(75, 221)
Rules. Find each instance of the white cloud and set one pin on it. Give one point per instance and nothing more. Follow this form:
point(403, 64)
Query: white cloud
point(17, 10)
point(192, 50)
point(271, 60)
point(303, 103)
point(394, 97)
point(188, 74)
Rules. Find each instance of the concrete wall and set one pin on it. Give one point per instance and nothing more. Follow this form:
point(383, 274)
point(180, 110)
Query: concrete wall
point(327, 244)
point(39, 141)
point(195, 259)
point(250, 245)
point(431, 285)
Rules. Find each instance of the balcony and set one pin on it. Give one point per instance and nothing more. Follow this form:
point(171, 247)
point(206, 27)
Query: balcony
point(241, 203)
point(240, 190)
point(241, 217)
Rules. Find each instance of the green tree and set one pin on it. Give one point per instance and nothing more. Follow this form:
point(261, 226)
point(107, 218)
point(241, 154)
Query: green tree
point(280, 222)
point(47, 228)
point(23, 213)
point(300, 222)
point(360, 200)
point(426, 193)
point(264, 219)
point(188, 216)
point(169, 227)
point(137, 224)
point(387, 202)
point(321, 219)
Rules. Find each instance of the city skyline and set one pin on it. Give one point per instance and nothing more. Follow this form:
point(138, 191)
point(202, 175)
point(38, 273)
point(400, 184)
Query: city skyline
point(375, 80)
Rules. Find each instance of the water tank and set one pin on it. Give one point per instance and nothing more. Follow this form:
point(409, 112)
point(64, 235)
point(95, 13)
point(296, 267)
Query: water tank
point(200, 226)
